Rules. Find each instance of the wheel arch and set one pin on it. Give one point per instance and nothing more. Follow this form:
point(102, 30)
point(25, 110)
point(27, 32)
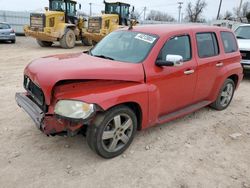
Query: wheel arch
point(235, 78)
point(136, 108)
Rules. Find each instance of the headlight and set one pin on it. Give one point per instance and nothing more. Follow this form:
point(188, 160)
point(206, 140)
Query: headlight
point(74, 109)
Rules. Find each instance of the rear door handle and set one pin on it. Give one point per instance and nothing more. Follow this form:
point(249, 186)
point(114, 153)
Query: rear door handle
point(188, 72)
point(220, 64)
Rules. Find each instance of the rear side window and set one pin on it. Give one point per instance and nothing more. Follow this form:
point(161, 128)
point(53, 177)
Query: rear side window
point(178, 45)
point(229, 42)
point(207, 45)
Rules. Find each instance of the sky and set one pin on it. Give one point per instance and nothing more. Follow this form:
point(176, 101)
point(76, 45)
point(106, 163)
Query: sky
point(168, 6)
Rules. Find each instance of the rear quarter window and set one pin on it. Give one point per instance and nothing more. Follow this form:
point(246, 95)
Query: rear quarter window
point(229, 42)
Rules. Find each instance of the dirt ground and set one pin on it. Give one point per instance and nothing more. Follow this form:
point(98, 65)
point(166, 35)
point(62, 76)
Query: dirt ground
point(207, 149)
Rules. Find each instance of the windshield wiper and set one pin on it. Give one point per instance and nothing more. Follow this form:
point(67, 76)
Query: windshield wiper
point(104, 57)
point(240, 37)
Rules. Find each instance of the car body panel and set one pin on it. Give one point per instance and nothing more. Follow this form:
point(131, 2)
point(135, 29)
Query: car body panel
point(79, 66)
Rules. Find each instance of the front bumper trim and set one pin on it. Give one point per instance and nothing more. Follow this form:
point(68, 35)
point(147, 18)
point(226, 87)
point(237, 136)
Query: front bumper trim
point(31, 108)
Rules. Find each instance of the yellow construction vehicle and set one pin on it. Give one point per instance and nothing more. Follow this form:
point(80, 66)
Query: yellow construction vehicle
point(58, 23)
point(116, 15)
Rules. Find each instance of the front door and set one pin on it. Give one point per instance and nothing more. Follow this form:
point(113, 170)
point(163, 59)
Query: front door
point(176, 84)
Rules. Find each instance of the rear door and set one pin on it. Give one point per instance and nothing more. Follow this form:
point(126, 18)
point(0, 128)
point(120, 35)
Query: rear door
point(209, 63)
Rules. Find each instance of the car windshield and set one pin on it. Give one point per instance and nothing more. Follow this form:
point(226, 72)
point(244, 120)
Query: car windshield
point(243, 32)
point(125, 46)
point(4, 26)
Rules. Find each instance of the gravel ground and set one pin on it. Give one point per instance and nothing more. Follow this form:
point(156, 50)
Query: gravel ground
point(205, 149)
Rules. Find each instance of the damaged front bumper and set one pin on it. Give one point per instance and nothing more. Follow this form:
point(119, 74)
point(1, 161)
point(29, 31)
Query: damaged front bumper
point(47, 123)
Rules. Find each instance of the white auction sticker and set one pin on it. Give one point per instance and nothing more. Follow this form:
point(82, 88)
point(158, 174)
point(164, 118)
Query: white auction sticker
point(146, 38)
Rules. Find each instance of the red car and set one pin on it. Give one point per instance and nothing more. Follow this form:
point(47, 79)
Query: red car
point(133, 79)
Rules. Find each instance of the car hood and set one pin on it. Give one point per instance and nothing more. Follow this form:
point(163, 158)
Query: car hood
point(48, 71)
point(244, 44)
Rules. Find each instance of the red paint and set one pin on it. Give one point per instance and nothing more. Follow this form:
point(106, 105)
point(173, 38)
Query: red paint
point(157, 90)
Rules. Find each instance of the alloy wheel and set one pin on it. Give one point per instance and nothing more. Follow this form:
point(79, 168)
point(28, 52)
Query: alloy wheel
point(226, 95)
point(117, 133)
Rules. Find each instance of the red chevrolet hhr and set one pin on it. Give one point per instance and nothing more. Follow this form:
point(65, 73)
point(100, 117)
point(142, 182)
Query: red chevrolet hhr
point(133, 79)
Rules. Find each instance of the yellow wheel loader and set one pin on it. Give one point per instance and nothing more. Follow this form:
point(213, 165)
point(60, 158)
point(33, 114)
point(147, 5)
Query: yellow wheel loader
point(115, 16)
point(58, 23)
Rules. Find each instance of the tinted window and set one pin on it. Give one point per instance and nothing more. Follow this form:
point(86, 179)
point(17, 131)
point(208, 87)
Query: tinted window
point(229, 42)
point(207, 45)
point(179, 45)
point(4, 26)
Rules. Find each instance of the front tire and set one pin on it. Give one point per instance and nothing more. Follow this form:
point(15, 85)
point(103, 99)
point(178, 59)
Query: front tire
point(112, 131)
point(68, 40)
point(225, 96)
point(44, 43)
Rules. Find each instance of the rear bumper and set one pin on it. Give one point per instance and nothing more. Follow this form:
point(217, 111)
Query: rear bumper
point(7, 37)
point(94, 36)
point(47, 123)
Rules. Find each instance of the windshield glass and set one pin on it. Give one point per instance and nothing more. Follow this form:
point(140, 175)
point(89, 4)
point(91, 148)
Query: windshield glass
point(243, 32)
point(4, 26)
point(57, 6)
point(126, 46)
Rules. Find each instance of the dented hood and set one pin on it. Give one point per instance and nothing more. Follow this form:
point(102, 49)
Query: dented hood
point(48, 71)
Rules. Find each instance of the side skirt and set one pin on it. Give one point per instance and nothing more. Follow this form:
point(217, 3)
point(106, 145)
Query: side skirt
point(183, 112)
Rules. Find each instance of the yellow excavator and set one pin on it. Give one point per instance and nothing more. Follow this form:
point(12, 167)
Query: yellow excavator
point(115, 16)
point(58, 23)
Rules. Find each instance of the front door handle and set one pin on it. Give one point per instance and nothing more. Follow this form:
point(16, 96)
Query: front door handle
point(188, 72)
point(220, 64)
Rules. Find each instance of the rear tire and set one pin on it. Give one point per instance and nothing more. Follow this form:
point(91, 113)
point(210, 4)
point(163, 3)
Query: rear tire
point(68, 40)
point(13, 41)
point(225, 95)
point(44, 43)
point(112, 131)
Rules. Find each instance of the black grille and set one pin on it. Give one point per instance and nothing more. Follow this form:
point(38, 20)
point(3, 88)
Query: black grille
point(94, 24)
point(37, 22)
point(35, 92)
point(245, 54)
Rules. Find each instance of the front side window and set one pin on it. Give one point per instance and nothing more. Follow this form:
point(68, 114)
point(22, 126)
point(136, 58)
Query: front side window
point(207, 45)
point(229, 42)
point(243, 32)
point(71, 9)
point(125, 11)
point(178, 45)
point(125, 46)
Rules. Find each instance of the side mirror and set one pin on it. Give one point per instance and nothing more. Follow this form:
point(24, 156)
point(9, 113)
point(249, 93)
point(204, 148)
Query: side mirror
point(171, 60)
point(80, 6)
